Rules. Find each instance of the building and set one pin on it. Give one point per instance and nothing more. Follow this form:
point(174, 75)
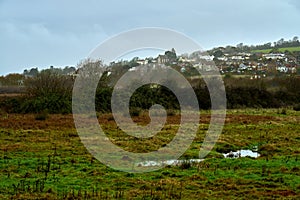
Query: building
point(162, 59)
point(274, 56)
point(142, 62)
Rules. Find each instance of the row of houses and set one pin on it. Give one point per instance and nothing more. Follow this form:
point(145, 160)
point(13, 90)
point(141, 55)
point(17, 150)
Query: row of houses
point(262, 63)
point(247, 56)
point(267, 62)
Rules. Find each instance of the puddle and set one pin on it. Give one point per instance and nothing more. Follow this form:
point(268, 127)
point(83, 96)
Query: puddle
point(241, 153)
point(151, 163)
point(236, 154)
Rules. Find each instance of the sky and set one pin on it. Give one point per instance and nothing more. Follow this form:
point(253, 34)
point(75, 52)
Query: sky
point(41, 33)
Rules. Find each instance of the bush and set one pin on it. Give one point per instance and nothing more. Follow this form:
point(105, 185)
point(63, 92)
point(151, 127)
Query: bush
point(103, 99)
point(49, 83)
point(282, 111)
point(267, 149)
point(48, 91)
point(296, 107)
point(11, 104)
point(42, 116)
point(135, 112)
point(54, 104)
point(186, 164)
point(171, 112)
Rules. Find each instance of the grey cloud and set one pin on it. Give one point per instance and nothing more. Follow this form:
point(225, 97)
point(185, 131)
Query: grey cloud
point(40, 33)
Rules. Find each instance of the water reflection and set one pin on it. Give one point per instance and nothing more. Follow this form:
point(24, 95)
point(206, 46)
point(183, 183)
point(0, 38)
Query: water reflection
point(235, 154)
point(241, 153)
point(151, 163)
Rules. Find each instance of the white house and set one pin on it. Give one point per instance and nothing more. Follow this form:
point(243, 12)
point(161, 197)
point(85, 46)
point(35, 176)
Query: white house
point(142, 62)
point(274, 56)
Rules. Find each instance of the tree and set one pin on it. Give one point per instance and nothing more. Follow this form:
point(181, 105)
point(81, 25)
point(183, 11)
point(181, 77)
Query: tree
point(218, 54)
point(47, 83)
point(268, 45)
point(254, 57)
point(171, 55)
point(33, 72)
point(230, 49)
point(295, 39)
point(68, 70)
point(275, 50)
point(49, 91)
point(13, 79)
point(280, 42)
point(240, 46)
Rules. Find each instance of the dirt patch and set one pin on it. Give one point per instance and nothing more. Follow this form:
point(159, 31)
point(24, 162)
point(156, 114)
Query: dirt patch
point(11, 95)
point(27, 121)
point(250, 119)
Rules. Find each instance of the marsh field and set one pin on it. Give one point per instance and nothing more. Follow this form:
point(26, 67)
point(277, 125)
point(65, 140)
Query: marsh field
point(43, 158)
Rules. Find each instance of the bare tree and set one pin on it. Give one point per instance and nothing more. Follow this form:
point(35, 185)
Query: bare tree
point(49, 83)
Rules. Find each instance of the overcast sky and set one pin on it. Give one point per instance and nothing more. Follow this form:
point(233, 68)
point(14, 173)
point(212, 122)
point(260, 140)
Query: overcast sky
point(40, 33)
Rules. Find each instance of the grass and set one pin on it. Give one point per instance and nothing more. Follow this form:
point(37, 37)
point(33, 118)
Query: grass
point(291, 49)
point(46, 159)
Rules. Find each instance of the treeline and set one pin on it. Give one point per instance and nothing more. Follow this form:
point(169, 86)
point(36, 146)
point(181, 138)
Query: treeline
point(52, 93)
point(282, 43)
point(16, 79)
point(241, 47)
point(263, 93)
point(47, 92)
point(279, 44)
point(12, 80)
point(63, 71)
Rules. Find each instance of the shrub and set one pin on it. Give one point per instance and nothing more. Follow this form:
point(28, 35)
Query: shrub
point(135, 112)
point(223, 147)
point(54, 104)
point(42, 116)
point(49, 83)
point(267, 150)
point(103, 99)
point(171, 112)
point(296, 107)
point(11, 104)
point(282, 111)
point(186, 164)
point(48, 91)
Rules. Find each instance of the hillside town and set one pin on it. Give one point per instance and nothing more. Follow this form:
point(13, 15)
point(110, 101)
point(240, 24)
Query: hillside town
point(282, 58)
point(254, 65)
point(241, 61)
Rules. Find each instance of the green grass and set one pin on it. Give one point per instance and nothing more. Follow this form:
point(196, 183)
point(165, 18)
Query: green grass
point(54, 164)
point(291, 49)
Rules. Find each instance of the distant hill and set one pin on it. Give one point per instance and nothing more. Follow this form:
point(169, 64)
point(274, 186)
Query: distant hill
point(291, 49)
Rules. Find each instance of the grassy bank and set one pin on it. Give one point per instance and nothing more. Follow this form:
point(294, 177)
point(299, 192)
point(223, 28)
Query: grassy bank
point(291, 49)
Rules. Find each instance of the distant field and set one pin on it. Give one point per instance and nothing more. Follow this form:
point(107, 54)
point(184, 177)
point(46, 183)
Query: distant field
point(10, 95)
point(292, 49)
point(11, 90)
